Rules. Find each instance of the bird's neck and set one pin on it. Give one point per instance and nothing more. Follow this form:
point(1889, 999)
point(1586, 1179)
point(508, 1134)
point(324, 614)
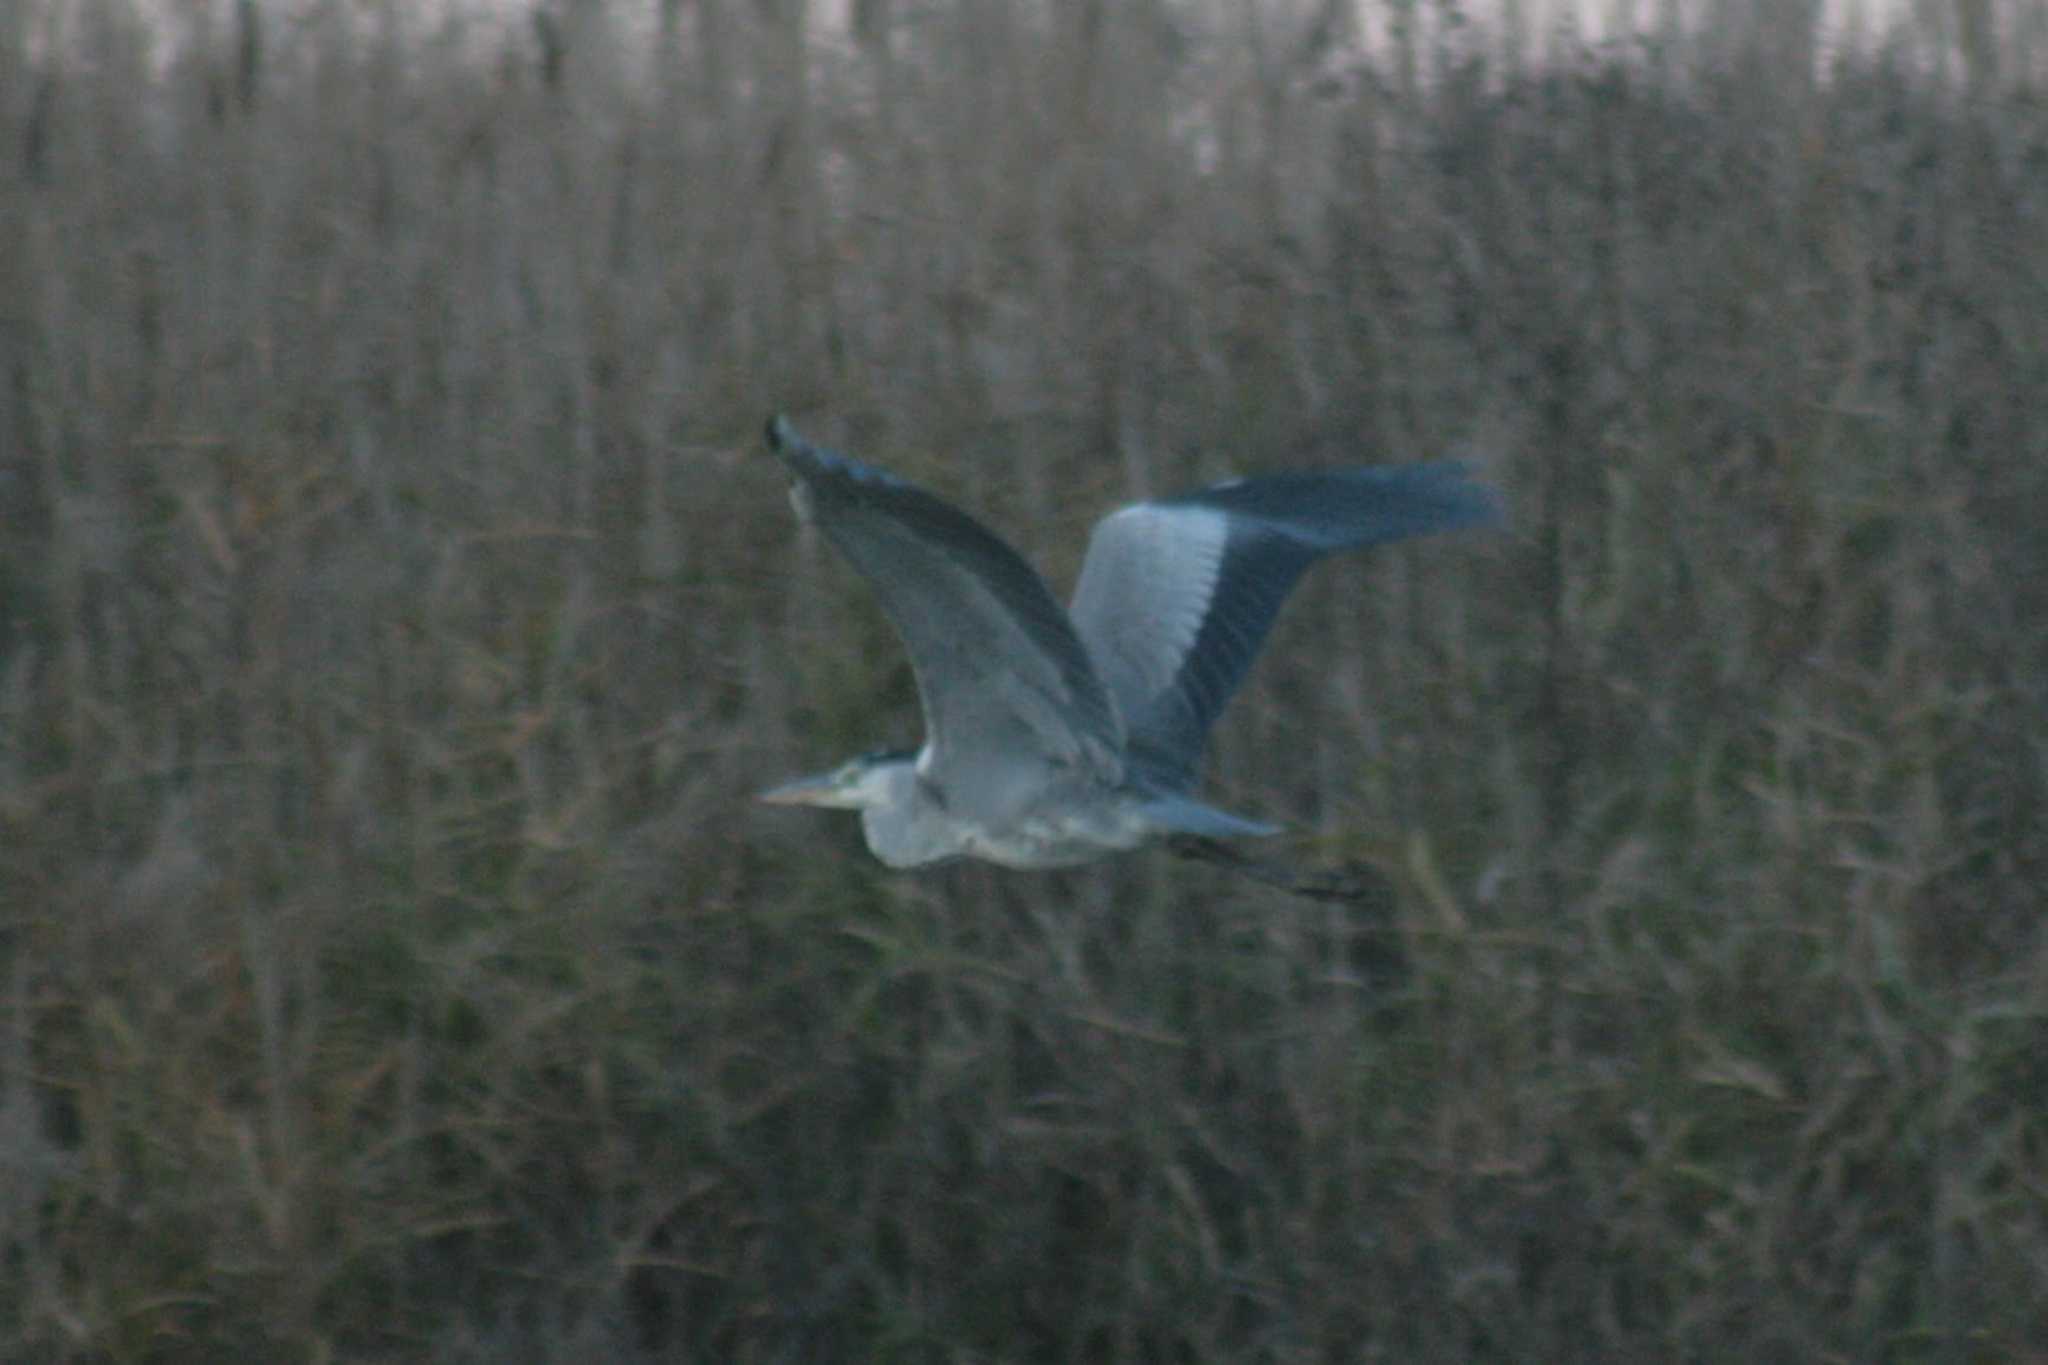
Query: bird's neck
point(905, 826)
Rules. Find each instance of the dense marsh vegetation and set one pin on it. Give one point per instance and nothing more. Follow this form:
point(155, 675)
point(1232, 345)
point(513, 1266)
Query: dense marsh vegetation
point(396, 613)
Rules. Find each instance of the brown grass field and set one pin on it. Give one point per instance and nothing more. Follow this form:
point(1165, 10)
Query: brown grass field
point(398, 611)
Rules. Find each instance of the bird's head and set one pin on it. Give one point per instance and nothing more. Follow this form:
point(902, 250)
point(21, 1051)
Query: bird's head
point(858, 784)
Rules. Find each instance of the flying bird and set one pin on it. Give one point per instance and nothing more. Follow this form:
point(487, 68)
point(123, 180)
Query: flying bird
point(1055, 736)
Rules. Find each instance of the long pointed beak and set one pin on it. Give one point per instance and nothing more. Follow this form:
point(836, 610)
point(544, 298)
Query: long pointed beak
point(817, 790)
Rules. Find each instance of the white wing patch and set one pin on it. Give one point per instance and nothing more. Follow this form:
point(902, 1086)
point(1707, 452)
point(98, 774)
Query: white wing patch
point(1144, 593)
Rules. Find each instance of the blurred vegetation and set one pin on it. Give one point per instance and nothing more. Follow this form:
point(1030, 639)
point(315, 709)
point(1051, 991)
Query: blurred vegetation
point(396, 613)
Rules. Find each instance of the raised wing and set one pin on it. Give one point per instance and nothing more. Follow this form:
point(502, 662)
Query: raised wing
point(1176, 596)
point(1007, 687)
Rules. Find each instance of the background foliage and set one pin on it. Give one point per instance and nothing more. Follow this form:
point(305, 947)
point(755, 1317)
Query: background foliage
point(396, 612)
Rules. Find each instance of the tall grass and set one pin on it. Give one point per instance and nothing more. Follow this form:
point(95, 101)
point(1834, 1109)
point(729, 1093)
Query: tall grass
point(396, 614)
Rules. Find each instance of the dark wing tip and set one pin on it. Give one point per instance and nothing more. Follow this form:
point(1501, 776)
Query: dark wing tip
point(824, 468)
point(1469, 501)
point(1349, 508)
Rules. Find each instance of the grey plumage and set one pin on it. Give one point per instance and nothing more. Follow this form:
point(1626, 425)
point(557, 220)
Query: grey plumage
point(1054, 737)
point(1176, 596)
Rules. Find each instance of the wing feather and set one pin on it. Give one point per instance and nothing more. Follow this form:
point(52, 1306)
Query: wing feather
point(1007, 687)
point(1176, 596)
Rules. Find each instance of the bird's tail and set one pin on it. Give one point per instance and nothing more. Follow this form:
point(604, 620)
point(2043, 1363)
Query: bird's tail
point(1182, 815)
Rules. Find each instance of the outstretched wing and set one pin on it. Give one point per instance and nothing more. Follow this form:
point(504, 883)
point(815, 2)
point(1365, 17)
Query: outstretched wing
point(1007, 687)
point(1176, 596)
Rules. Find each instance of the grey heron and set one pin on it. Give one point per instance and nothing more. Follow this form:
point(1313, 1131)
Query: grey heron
point(1057, 736)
